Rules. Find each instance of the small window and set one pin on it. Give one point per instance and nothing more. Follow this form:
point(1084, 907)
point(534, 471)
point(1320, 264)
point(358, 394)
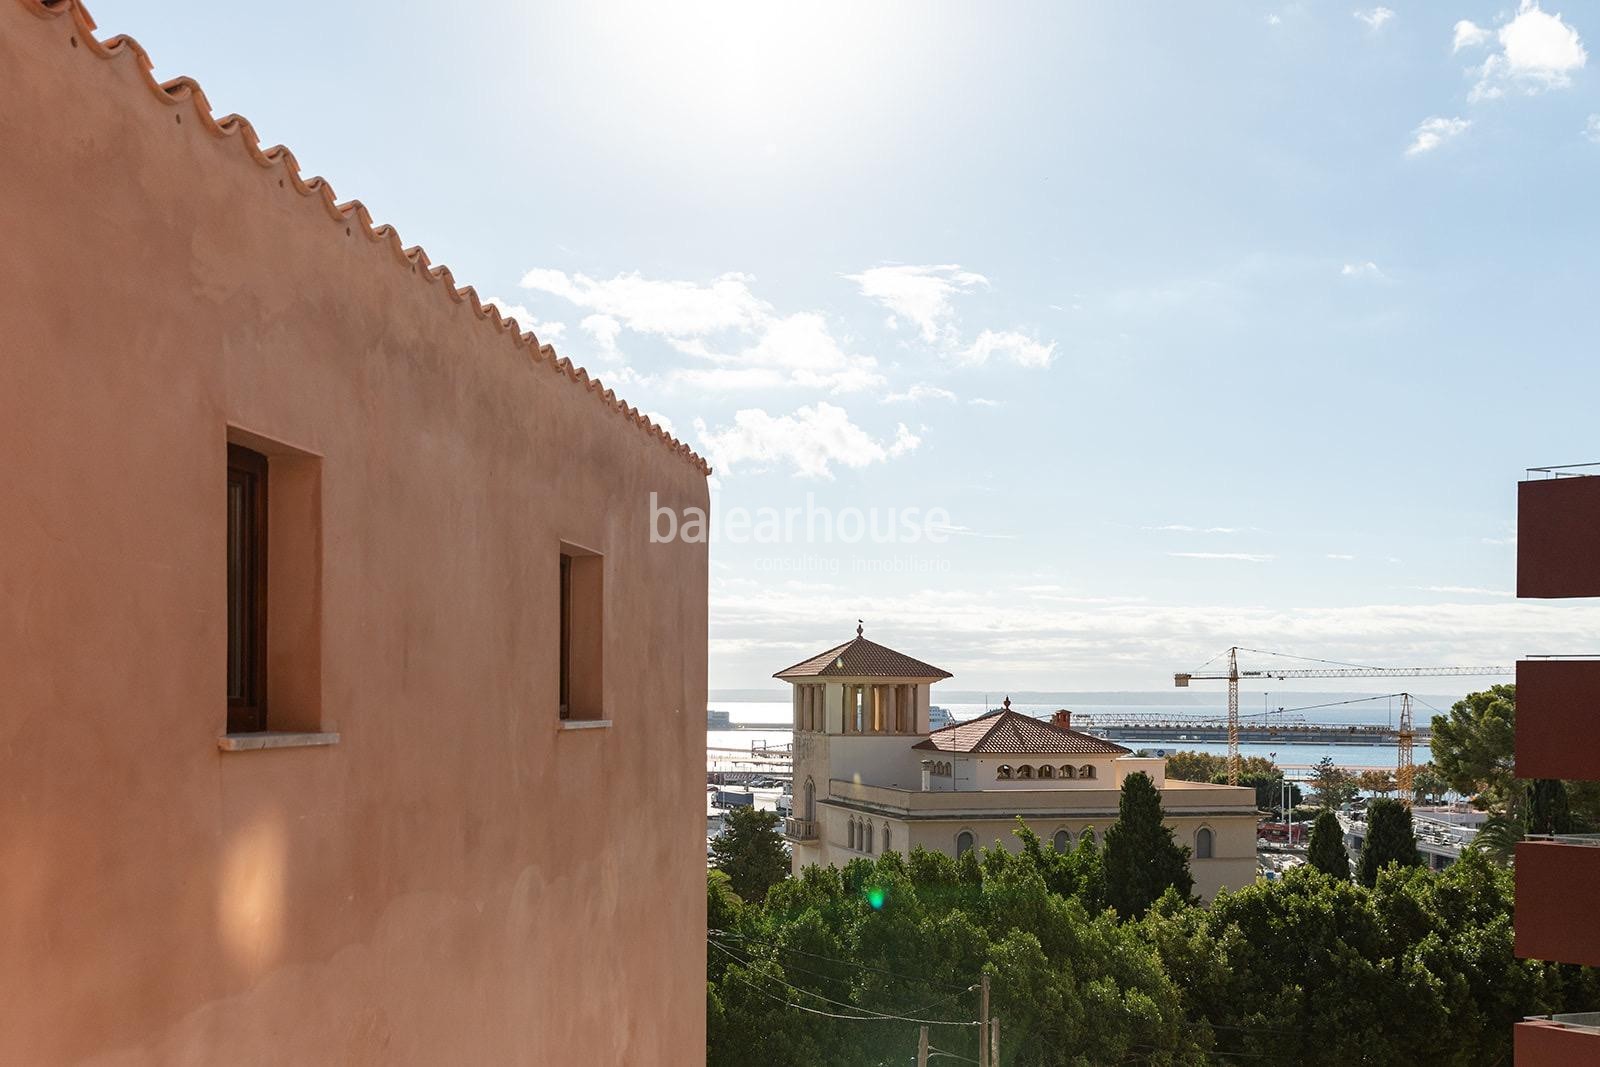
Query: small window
point(964, 842)
point(1086, 771)
point(886, 837)
point(581, 597)
point(1068, 771)
point(1047, 771)
point(852, 833)
point(1025, 771)
point(1202, 844)
point(1003, 772)
point(247, 590)
point(1063, 841)
point(866, 837)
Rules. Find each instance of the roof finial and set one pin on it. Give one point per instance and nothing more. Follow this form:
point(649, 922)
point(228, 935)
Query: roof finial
point(1007, 704)
point(859, 627)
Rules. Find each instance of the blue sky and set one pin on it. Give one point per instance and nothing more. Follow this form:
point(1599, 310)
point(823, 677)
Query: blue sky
point(1202, 324)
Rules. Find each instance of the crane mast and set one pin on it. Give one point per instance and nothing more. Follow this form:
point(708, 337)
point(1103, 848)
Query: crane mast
point(1405, 771)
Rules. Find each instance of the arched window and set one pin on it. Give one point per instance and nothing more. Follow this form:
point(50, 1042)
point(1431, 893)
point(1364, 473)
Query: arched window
point(1047, 771)
point(886, 837)
point(1025, 771)
point(1087, 835)
point(852, 833)
point(964, 842)
point(1086, 771)
point(811, 799)
point(1202, 844)
point(1003, 772)
point(1063, 841)
point(866, 837)
point(1068, 771)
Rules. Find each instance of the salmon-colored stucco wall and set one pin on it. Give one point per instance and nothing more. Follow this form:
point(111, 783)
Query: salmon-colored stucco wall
point(457, 880)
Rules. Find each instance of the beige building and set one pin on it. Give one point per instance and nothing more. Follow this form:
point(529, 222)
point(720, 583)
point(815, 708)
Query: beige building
point(870, 776)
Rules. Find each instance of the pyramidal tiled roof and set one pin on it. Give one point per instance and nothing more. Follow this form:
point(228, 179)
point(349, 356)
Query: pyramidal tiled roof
point(860, 658)
point(1012, 733)
point(186, 91)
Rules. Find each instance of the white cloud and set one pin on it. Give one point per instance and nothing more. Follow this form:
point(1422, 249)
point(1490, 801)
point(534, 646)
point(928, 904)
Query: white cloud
point(1538, 52)
point(1464, 590)
point(1178, 527)
point(527, 320)
point(1367, 269)
point(919, 392)
point(1468, 35)
point(1434, 132)
point(1591, 129)
point(1243, 557)
point(797, 350)
point(1274, 20)
point(1375, 18)
point(604, 329)
point(661, 421)
point(983, 402)
point(811, 440)
point(921, 294)
point(668, 308)
point(1021, 349)
point(1339, 555)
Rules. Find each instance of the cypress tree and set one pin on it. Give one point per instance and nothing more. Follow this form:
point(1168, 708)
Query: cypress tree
point(1141, 860)
point(1389, 840)
point(1327, 852)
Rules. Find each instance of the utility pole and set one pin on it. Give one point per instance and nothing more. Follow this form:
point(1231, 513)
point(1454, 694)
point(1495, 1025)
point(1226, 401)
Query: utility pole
point(983, 1024)
point(922, 1047)
point(994, 1043)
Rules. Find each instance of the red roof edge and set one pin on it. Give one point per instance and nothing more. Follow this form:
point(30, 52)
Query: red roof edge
point(183, 90)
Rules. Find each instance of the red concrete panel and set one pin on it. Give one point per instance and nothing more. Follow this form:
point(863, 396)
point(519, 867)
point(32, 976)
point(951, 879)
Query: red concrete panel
point(1558, 892)
point(1558, 537)
point(1558, 719)
point(1547, 1045)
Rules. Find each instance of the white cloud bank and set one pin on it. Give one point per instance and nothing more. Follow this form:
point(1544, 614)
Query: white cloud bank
point(811, 440)
point(1367, 269)
point(1019, 348)
point(1537, 52)
point(1434, 132)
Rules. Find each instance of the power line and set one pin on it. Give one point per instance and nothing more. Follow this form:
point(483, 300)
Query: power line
point(869, 1016)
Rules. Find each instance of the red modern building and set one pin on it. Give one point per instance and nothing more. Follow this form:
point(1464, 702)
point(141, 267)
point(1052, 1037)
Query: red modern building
point(1558, 736)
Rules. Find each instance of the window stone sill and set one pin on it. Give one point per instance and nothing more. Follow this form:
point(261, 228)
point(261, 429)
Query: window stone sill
point(585, 724)
point(274, 739)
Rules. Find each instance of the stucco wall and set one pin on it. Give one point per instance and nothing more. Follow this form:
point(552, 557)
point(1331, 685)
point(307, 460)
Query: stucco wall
point(457, 881)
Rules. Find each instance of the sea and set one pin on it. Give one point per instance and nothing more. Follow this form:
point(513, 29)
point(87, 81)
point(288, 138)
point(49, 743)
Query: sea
point(1290, 756)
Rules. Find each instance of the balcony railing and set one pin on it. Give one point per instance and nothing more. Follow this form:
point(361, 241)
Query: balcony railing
point(1566, 470)
point(1578, 1020)
point(800, 829)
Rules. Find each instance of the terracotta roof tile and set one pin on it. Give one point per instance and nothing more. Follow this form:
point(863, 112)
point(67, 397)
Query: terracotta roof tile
point(1012, 733)
point(860, 658)
point(180, 91)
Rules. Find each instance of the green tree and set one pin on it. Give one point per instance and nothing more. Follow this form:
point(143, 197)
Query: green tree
point(1548, 809)
point(1427, 784)
point(1206, 766)
point(1268, 787)
point(1473, 746)
point(1389, 839)
point(750, 852)
point(1141, 859)
point(1327, 852)
point(1333, 784)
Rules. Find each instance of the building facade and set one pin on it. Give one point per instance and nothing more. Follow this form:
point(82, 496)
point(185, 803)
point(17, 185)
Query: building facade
point(1558, 736)
point(348, 713)
point(870, 776)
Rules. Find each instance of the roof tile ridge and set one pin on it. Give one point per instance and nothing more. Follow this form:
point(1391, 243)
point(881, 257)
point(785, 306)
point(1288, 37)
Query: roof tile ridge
point(183, 89)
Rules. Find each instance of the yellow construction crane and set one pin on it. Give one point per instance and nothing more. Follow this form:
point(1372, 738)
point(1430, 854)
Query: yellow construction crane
point(1326, 669)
